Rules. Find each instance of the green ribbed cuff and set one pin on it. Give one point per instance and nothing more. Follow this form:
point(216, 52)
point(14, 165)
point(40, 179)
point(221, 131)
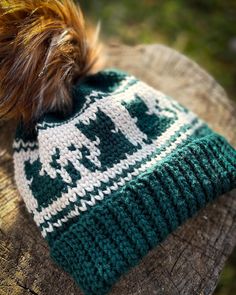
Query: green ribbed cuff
point(114, 235)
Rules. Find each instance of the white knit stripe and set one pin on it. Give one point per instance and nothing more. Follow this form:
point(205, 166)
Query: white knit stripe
point(152, 98)
point(78, 209)
point(94, 179)
point(121, 89)
point(116, 111)
point(120, 115)
point(138, 88)
point(21, 144)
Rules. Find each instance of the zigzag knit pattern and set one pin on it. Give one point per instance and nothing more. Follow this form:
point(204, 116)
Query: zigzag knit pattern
point(108, 182)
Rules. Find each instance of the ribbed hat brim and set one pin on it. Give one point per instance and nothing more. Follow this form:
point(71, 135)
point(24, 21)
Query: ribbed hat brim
point(118, 232)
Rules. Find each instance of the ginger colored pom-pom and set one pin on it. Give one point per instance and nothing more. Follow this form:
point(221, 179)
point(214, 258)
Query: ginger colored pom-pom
point(44, 49)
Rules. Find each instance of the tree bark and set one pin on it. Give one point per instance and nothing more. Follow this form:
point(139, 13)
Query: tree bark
point(190, 260)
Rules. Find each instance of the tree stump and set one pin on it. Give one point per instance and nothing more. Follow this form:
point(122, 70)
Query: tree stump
point(189, 261)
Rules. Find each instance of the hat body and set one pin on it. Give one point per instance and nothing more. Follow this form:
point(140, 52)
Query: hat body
point(108, 182)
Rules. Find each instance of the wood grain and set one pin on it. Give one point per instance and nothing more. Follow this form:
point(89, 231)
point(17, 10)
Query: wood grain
point(190, 260)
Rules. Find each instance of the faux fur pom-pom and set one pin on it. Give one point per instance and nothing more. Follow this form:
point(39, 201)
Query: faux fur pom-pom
point(44, 49)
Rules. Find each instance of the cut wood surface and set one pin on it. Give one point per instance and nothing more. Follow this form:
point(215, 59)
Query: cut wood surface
point(190, 260)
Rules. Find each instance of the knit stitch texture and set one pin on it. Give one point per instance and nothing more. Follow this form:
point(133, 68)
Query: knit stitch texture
point(108, 182)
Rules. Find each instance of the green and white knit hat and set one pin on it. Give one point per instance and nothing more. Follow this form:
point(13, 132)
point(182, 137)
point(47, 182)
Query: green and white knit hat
point(111, 181)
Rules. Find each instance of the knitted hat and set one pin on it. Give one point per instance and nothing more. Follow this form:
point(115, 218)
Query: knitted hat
point(110, 181)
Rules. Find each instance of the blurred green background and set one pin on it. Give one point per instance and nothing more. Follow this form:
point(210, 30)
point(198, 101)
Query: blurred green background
point(204, 30)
